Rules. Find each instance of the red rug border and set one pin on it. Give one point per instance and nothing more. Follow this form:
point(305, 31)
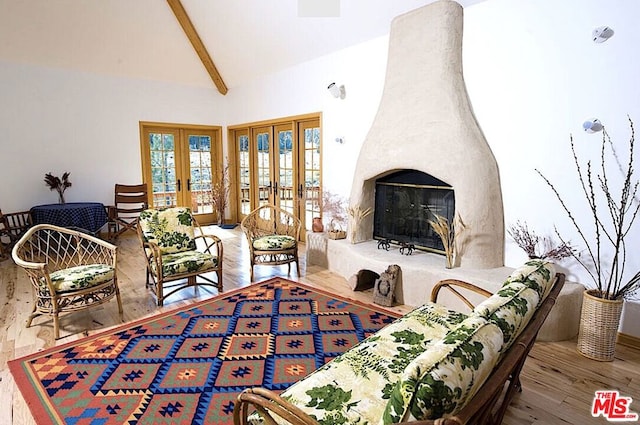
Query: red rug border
point(26, 387)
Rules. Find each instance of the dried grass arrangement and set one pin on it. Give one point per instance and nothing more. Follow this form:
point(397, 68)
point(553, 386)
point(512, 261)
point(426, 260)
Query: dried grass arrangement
point(356, 215)
point(58, 184)
point(535, 246)
point(448, 233)
point(613, 212)
point(220, 193)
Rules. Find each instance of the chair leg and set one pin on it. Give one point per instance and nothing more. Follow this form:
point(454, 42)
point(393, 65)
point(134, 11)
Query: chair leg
point(33, 313)
point(119, 301)
point(56, 325)
point(219, 273)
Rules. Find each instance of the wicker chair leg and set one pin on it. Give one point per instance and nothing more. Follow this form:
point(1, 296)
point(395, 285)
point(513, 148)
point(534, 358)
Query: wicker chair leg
point(33, 313)
point(119, 301)
point(56, 325)
point(219, 274)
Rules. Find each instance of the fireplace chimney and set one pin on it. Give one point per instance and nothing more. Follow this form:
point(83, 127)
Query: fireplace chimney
point(425, 122)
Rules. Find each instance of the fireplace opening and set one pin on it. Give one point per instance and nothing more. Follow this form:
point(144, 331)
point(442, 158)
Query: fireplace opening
point(405, 202)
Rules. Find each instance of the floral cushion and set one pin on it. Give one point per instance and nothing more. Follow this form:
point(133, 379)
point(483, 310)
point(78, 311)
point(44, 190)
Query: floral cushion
point(513, 305)
point(443, 378)
point(274, 243)
point(185, 262)
point(81, 277)
point(171, 229)
point(354, 387)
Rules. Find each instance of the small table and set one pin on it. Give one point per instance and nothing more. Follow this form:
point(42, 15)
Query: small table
point(85, 216)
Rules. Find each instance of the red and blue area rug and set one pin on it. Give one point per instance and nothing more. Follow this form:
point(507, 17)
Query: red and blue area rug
point(188, 365)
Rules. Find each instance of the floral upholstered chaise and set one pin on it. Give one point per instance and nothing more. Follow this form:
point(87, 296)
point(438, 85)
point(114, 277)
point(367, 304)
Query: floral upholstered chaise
point(428, 365)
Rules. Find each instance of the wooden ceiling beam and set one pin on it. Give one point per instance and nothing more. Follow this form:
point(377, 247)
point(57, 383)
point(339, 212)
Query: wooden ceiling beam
point(196, 42)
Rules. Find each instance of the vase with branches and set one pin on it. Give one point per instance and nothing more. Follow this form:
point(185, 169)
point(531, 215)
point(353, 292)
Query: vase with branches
point(613, 211)
point(220, 193)
point(58, 184)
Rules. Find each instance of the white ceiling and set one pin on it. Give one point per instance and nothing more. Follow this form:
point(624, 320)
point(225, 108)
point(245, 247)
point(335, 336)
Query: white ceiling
point(142, 39)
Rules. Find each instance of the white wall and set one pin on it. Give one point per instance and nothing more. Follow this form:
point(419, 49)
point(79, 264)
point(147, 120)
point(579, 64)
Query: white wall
point(58, 120)
point(533, 76)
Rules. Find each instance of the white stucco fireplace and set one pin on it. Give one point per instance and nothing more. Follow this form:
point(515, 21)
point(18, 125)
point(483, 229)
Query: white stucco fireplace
point(425, 123)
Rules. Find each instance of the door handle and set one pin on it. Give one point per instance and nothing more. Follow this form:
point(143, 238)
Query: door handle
point(275, 188)
point(179, 186)
point(189, 185)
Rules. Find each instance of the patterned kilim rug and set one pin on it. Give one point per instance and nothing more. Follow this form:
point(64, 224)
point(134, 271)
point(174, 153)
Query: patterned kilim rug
point(188, 365)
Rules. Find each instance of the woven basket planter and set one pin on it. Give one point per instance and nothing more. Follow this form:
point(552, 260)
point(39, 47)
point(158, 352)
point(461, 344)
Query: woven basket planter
point(599, 322)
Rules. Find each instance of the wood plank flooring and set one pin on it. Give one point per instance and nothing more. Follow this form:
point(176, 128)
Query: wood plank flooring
point(558, 383)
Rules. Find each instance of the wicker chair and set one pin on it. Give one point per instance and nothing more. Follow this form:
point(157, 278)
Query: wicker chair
point(273, 235)
point(69, 270)
point(169, 239)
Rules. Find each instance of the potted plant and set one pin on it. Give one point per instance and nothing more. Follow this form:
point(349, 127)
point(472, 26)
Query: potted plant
point(539, 247)
point(614, 209)
point(58, 184)
point(333, 208)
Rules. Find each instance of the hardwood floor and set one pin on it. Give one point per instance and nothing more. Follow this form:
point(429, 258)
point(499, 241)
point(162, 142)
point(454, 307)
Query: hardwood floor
point(558, 383)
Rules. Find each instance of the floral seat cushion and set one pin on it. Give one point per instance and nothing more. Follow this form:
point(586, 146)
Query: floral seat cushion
point(354, 387)
point(443, 378)
point(274, 243)
point(81, 277)
point(171, 229)
point(185, 262)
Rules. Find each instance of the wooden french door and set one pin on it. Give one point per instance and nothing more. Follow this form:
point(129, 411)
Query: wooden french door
point(180, 164)
point(279, 163)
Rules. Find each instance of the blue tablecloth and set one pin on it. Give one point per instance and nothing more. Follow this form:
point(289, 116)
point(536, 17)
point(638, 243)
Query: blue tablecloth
point(89, 216)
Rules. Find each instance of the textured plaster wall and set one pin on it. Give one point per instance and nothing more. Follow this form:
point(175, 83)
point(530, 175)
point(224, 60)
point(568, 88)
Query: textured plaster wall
point(425, 122)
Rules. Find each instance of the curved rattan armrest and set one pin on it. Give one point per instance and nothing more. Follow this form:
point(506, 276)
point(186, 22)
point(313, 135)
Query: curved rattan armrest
point(211, 242)
point(20, 261)
point(267, 402)
point(451, 285)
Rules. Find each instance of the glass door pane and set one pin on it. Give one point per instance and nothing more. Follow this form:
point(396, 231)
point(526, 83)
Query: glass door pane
point(200, 180)
point(244, 173)
point(164, 172)
point(310, 134)
point(285, 169)
point(262, 142)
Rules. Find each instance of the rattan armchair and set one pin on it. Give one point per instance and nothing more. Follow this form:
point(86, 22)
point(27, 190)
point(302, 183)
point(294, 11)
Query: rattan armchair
point(170, 240)
point(273, 235)
point(69, 270)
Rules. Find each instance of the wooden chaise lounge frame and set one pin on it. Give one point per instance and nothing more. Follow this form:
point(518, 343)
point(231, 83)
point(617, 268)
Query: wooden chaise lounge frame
point(490, 402)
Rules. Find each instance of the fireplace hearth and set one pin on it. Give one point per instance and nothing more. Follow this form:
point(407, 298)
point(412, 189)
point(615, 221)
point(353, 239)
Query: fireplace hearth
point(405, 202)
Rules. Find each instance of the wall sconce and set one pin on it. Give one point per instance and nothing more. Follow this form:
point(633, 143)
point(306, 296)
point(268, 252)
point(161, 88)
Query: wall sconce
point(337, 91)
point(340, 140)
point(592, 126)
point(601, 34)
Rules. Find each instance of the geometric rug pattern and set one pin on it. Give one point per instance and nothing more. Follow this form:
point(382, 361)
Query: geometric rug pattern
point(188, 365)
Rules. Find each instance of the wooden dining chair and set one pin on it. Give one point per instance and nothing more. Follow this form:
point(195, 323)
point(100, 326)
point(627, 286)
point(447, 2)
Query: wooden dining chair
point(129, 202)
point(12, 227)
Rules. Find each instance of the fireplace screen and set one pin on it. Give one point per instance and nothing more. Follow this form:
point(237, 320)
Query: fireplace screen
point(405, 202)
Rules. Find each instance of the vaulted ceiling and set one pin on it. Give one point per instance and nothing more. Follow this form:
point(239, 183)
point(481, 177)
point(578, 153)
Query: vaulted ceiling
point(143, 39)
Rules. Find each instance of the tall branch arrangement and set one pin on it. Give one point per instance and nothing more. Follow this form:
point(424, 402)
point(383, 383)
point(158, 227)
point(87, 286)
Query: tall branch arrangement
point(612, 217)
point(58, 184)
point(220, 193)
